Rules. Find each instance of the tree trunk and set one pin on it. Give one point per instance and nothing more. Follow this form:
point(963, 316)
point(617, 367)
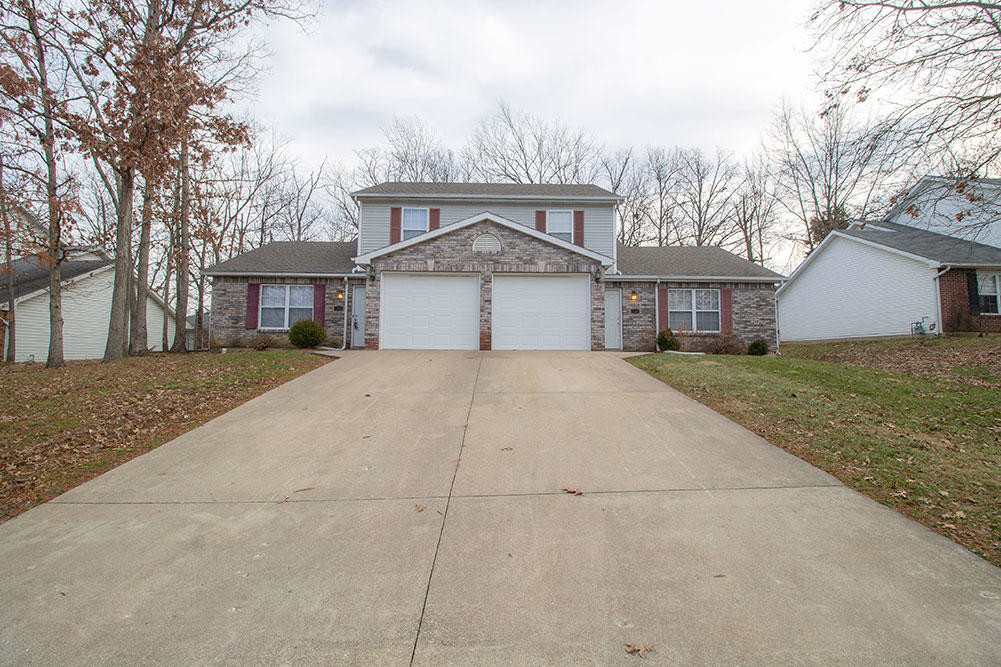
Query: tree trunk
point(139, 337)
point(54, 249)
point(8, 232)
point(181, 313)
point(118, 324)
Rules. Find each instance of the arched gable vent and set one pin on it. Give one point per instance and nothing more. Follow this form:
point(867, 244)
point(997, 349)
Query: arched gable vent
point(486, 243)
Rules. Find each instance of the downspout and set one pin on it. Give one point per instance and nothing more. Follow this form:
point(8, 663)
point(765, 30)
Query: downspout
point(938, 299)
point(348, 301)
point(656, 313)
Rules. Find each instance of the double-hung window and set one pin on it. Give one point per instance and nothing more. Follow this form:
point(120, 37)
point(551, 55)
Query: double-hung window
point(693, 310)
point(284, 305)
point(560, 225)
point(415, 222)
point(988, 286)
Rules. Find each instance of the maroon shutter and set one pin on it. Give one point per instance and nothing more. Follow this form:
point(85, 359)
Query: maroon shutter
point(253, 301)
point(662, 309)
point(726, 310)
point(578, 227)
point(540, 221)
point(434, 219)
point(319, 303)
point(395, 219)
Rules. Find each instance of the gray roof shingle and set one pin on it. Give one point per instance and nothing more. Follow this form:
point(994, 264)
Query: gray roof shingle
point(688, 261)
point(302, 257)
point(930, 245)
point(32, 274)
point(467, 190)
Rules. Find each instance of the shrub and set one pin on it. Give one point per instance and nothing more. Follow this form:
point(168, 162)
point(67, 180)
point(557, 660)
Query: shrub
point(758, 348)
point(306, 333)
point(725, 344)
point(667, 341)
point(262, 342)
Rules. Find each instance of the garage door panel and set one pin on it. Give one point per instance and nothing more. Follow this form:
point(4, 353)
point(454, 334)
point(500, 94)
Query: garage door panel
point(430, 312)
point(541, 313)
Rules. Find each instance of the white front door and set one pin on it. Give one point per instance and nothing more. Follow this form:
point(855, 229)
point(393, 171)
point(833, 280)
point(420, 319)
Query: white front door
point(358, 316)
point(551, 312)
point(430, 312)
point(613, 319)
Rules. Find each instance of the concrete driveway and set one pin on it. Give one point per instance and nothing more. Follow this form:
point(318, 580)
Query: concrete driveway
point(399, 507)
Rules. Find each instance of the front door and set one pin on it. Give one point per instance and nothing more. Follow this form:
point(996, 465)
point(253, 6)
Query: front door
point(613, 319)
point(358, 316)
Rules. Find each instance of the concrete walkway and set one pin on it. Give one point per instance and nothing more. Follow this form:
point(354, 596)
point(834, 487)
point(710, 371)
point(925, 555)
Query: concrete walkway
point(399, 507)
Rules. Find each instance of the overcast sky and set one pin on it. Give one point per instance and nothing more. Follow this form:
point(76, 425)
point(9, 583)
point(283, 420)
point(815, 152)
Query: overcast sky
point(629, 72)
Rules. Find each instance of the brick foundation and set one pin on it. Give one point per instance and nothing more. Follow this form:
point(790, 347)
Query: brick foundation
point(956, 315)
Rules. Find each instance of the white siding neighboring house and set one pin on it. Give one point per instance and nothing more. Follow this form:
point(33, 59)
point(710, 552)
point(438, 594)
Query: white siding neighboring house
point(856, 290)
point(971, 212)
point(885, 279)
point(86, 302)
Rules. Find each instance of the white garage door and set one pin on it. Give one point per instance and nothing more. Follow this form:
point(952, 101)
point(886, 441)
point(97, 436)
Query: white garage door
point(541, 313)
point(430, 312)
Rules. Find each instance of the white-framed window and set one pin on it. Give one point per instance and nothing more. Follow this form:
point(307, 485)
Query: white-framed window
point(560, 225)
point(693, 310)
point(415, 222)
point(988, 285)
point(284, 305)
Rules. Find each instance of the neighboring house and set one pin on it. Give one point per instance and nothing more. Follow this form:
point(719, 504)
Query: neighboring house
point(889, 279)
point(87, 281)
point(491, 266)
point(969, 210)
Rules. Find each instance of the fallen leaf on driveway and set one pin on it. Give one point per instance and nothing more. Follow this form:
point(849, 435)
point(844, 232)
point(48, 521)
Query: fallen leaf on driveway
point(308, 488)
point(420, 508)
point(284, 500)
point(576, 492)
point(641, 651)
point(506, 449)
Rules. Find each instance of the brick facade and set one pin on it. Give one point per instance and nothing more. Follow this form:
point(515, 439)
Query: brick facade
point(229, 309)
point(453, 253)
point(753, 314)
point(956, 315)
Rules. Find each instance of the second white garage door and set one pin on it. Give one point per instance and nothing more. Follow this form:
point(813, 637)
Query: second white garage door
point(430, 312)
point(541, 313)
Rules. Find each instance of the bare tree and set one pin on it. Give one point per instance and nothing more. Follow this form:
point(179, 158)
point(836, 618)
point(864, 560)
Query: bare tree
point(628, 177)
point(933, 64)
point(702, 190)
point(753, 210)
point(829, 170)
point(520, 148)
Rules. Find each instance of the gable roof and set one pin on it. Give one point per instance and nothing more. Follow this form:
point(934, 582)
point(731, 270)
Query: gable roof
point(31, 274)
point(925, 244)
point(487, 191)
point(689, 262)
point(291, 258)
point(946, 183)
point(485, 216)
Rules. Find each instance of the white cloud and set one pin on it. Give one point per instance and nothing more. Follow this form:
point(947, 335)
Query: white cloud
point(630, 72)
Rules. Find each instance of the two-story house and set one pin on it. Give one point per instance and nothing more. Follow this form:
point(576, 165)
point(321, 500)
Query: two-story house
point(492, 266)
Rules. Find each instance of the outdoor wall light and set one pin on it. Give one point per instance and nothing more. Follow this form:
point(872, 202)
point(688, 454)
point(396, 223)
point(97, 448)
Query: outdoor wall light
point(340, 296)
point(633, 296)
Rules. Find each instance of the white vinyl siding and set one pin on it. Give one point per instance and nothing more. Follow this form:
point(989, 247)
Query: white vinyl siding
point(852, 290)
point(599, 220)
point(86, 305)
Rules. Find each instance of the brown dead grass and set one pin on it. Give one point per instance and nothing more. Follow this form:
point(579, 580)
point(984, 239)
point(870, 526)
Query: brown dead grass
point(61, 427)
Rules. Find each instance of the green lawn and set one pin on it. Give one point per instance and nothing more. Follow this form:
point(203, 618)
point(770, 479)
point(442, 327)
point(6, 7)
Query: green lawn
point(61, 427)
point(916, 441)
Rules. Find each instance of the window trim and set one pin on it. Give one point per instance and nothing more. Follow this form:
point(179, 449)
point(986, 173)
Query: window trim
point(570, 232)
point(288, 299)
point(403, 217)
point(694, 312)
point(997, 292)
